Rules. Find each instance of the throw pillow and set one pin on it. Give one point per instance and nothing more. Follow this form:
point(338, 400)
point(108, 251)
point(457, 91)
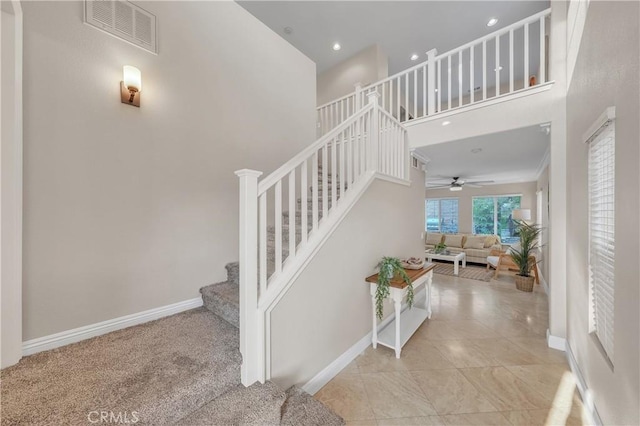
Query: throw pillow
point(453, 240)
point(433, 238)
point(489, 240)
point(474, 242)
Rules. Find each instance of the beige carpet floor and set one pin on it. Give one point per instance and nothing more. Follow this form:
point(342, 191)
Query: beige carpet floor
point(161, 371)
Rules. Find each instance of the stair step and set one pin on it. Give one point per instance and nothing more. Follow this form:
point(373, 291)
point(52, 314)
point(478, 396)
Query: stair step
point(258, 404)
point(223, 299)
point(285, 217)
point(310, 203)
point(300, 408)
point(233, 272)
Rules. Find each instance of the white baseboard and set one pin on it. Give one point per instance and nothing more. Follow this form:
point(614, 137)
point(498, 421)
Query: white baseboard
point(585, 393)
point(332, 370)
point(63, 338)
point(555, 342)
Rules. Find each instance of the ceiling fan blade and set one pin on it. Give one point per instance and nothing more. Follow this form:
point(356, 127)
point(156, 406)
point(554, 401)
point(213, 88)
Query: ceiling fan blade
point(439, 187)
point(439, 180)
point(480, 182)
point(471, 185)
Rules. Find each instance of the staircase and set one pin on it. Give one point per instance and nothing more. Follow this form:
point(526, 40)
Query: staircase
point(223, 299)
point(258, 404)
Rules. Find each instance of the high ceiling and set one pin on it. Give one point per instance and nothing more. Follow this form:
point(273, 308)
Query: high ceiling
point(400, 28)
point(506, 157)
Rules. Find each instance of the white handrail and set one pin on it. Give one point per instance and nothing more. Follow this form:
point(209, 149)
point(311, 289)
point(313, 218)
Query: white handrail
point(408, 95)
point(335, 100)
point(286, 168)
point(499, 32)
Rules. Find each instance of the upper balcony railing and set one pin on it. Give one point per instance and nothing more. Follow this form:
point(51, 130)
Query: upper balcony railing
point(509, 60)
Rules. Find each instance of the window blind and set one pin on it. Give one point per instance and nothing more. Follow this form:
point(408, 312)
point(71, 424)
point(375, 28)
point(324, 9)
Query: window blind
point(602, 235)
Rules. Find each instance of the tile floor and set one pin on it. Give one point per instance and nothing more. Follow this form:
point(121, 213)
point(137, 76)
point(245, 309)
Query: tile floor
point(481, 359)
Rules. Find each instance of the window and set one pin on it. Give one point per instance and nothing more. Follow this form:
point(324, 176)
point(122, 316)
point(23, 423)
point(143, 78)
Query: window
point(601, 183)
point(442, 215)
point(492, 215)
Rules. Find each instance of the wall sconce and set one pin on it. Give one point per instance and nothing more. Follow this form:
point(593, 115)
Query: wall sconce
point(131, 86)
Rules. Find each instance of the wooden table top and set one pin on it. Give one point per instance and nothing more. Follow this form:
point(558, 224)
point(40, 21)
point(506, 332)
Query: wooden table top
point(397, 282)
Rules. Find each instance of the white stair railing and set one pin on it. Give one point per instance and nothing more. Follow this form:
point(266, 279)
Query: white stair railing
point(319, 180)
point(498, 64)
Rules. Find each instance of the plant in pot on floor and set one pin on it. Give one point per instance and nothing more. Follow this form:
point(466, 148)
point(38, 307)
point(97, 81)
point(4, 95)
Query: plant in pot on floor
point(523, 256)
point(389, 268)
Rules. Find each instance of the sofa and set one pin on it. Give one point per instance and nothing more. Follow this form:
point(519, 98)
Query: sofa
point(476, 247)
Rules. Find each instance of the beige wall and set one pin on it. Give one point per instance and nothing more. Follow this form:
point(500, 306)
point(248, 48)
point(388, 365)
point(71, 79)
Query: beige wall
point(328, 308)
point(365, 67)
point(465, 197)
point(129, 209)
point(606, 74)
point(543, 187)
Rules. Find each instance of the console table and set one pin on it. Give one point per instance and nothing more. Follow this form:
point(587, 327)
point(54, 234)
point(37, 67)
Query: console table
point(396, 334)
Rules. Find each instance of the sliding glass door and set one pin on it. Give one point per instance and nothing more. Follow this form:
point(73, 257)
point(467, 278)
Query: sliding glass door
point(492, 215)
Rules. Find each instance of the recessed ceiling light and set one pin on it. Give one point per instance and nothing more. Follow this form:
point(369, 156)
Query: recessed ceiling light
point(498, 69)
point(337, 46)
point(492, 22)
point(476, 150)
point(414, 56)
point(436, 90)
point(446, 123)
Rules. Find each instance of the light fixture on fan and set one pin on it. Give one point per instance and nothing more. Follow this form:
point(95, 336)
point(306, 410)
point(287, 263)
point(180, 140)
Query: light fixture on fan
point(131, 86)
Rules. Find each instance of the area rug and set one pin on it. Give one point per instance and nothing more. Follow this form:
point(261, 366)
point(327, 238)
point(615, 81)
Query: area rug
point(471, 272)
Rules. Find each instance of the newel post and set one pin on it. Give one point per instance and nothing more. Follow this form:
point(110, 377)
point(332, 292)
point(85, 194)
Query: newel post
point(358, 87)
point(374, 131)
point(252, 369)
point(431, 81)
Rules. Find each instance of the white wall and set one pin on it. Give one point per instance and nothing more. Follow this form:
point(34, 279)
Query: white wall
point(365, 67)
point(465, 199)
point(328, 308)
point(129, 209)
point(11, 184)
point(543, 186)
point(606, 74)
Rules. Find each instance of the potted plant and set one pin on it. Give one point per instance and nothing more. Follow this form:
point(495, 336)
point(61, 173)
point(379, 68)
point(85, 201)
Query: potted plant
point(389, 268)
point(440, 248)
point(522, 256)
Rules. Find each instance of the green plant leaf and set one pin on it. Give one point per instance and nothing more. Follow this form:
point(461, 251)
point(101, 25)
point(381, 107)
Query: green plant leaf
point(388, 268)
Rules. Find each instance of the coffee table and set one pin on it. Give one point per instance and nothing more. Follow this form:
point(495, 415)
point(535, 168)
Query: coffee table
point(456, 258)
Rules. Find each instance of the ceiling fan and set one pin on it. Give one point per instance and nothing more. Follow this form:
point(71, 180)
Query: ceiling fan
point(457, 183)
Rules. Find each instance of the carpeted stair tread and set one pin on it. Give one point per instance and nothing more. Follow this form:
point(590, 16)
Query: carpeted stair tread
point(223, 299)
point(233, 272)
point(302, 409)
point(258, 404)
point(163, 370)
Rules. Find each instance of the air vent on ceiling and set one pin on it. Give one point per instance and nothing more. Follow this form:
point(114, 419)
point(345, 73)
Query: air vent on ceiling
point(124, 20)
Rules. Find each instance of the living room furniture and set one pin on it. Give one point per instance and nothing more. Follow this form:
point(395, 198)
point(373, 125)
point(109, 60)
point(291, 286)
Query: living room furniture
point(456, 258)
point(501, 260)
point(398, 332)
point(475, 247)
